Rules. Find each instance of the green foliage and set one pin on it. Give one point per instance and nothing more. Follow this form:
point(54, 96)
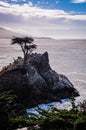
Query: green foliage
point(74, 108)
point(21, 40)
point(7, 95)
point(8, 108)
point(55, 119)
point(7, 101)
point(52, 119)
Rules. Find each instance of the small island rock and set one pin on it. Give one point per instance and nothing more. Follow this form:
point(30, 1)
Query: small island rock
point(37, 83)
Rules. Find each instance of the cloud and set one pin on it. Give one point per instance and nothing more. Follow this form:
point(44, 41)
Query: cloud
point(37, 21)
point(78, 1)
point(5, 4)
point(14, 0)
point(28, 11)
point(76, 17)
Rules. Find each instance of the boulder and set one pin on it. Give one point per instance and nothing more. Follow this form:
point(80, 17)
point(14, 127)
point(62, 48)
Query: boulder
point(35, 79)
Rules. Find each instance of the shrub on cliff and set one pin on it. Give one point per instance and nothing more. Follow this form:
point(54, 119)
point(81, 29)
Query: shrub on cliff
point(9, 107)
point(61, 119)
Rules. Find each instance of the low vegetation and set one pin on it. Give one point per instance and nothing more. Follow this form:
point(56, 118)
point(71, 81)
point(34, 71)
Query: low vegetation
point(13, 116)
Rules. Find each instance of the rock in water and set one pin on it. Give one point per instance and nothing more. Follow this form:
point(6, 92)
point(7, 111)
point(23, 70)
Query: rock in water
point(38, 83)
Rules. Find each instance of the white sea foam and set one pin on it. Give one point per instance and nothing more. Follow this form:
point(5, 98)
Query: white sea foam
point(75, 73)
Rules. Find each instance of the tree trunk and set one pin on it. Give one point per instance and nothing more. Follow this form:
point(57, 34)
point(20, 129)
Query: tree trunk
point(24, 61)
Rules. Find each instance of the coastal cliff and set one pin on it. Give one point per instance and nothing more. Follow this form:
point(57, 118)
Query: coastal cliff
point(37, 82)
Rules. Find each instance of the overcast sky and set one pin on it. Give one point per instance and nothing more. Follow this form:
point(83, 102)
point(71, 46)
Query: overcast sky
point(47, 18)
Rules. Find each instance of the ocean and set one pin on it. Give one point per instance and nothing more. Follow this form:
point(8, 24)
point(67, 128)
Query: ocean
point(67, 57)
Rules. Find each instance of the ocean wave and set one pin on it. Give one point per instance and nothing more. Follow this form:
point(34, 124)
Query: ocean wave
point(77, 73)
point(80, 80)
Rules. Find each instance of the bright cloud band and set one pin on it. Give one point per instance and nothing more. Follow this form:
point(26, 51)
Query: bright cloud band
point(79, 1)
point(32, 19)
point(28, 10)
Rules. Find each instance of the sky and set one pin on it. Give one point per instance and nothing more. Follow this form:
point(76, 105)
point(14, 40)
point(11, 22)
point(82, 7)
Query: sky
point(59, 19)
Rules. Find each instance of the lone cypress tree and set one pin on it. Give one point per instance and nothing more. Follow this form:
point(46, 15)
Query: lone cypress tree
point(26, 44)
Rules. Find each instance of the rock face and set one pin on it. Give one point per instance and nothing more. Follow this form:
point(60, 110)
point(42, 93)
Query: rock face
point(38, 83)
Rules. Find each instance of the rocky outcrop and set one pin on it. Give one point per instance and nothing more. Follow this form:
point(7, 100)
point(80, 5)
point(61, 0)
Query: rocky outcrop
point(37, 83)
